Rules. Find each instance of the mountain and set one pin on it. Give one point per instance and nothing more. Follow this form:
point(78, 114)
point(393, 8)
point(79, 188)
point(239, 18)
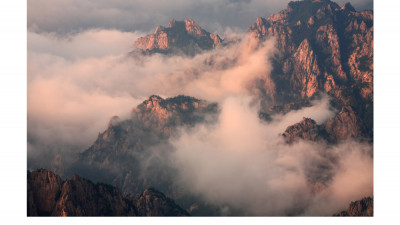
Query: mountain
point(48, 195)
point(345, 125)
point(363, 207)
point(185, 37)
point(132, 154)
point(323, 48)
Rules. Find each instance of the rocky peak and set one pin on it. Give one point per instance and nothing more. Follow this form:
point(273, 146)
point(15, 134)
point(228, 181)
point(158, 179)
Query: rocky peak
point(363, 207)
point(152, 121)
point(306, 129)
point(48, 195)
point(179, 37)
point(348, 8)
point(113, 121)
point(303, 10)
point(180, 103)
point(346, 124)
point(153, 101)
point(193, 29)
point(44, 187)
point(323, 47)
point(155, 203)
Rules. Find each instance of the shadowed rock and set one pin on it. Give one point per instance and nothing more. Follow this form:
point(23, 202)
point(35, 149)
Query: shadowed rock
point(307, 129)
point(49, 196)
point(185, 37)
point(363, 207)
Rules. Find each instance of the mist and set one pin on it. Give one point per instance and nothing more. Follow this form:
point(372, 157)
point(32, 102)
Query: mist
point(74, 88)
point(242, 164)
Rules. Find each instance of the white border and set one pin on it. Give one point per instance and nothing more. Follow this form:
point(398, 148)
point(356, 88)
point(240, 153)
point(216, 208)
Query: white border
point(13, 129)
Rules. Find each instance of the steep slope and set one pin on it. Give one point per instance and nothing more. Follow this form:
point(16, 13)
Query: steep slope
point(48, 195)
point(133, 154)
point(185, 37)
point(323, 48)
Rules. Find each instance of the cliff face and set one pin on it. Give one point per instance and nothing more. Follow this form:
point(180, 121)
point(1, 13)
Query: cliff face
point(346, 124)
point(48, 195)
point(323, 47)
point(44, 188)
point(179, 37)
point(363, 207)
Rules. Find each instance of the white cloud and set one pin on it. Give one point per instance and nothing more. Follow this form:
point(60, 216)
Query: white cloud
point(243, 164)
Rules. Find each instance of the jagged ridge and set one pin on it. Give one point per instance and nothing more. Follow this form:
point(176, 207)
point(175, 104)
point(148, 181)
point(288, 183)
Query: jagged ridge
point(48, 195)
point(185, 37)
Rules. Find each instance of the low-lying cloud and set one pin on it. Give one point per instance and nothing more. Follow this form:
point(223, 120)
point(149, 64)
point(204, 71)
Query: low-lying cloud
point(75, 85)
point(242, 165)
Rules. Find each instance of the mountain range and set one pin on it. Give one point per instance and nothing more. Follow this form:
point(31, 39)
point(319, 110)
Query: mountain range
point(322, 49)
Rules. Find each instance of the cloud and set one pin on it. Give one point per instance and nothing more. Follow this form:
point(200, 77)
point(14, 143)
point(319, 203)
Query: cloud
point(241, 164)
point(73, 16)
point(90, 43)
point(75, 85)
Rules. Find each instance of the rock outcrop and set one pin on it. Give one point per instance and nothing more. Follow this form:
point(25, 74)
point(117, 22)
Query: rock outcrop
point(307, 129)
point(48, 195)
point(44, 189)
point(154, 203)
point(185, 37)
point(363, 207)
point(344, 125)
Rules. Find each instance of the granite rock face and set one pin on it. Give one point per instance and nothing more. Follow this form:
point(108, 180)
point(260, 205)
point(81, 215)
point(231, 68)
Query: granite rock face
point(345, 125)
point(154, 203)
point(322, 47)
point(44, 188)
point(48, 195)
point(185, 37)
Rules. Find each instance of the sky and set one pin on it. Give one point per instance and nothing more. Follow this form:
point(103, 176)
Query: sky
point(64, 17)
